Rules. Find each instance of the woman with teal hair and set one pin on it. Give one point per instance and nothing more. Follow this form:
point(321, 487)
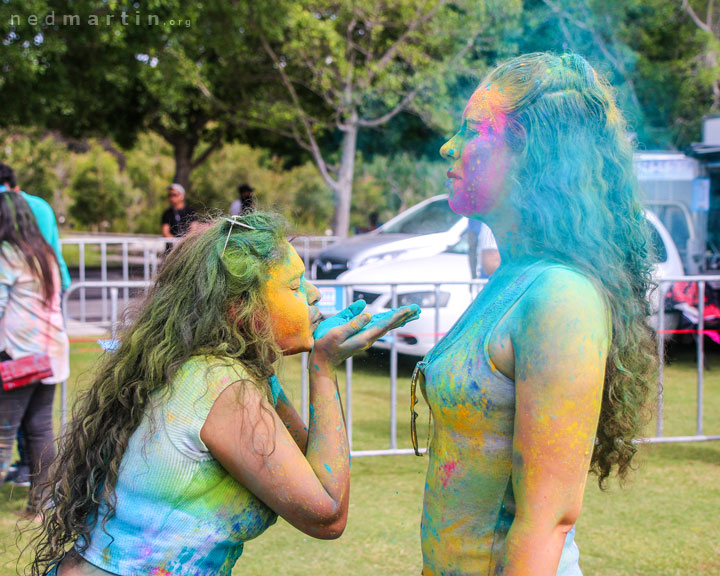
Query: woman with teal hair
point(185, 445)
point(545, 375)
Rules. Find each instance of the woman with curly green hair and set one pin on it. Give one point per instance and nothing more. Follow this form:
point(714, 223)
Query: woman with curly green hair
point(545, 375)
point(185, 445)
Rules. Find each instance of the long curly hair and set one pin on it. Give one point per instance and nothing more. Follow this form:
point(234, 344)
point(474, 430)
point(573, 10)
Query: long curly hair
point(575, 189)
point(207, 300)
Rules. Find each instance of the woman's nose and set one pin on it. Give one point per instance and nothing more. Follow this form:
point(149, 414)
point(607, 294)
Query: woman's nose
point(313, 294)
point(449, 150)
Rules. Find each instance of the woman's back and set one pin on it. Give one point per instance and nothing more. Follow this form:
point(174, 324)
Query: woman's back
point(30, 324)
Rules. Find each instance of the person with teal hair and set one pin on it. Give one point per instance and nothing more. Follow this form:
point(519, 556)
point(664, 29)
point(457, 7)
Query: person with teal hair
point(185, 446)
point(545, 375)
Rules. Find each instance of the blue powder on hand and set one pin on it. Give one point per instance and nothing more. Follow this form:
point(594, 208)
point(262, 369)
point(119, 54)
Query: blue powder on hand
point(356, 308)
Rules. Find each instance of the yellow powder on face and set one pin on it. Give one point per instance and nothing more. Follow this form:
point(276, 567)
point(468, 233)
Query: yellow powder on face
point(487, 104)
point(287, 303)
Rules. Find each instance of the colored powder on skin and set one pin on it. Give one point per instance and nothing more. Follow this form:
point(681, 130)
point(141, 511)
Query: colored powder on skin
point(447, 470)
point(384, 316)
point(356, 308)
point(328, 468)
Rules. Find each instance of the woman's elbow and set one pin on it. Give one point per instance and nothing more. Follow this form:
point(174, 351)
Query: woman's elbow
point(566, 522)
point(334, 530)
point(329, 528)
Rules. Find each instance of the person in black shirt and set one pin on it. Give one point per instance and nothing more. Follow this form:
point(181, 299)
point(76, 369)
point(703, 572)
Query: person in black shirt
point(179, 218)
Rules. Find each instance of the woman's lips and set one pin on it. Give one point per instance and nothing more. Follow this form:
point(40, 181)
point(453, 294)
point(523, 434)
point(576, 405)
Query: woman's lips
point(451, 174)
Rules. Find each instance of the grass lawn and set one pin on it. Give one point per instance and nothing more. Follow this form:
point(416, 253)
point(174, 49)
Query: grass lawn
point(664, 522)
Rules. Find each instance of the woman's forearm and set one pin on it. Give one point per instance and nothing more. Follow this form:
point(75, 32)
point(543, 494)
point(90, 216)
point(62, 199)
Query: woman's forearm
point(532, 549)
point(293, 422)
point(327, 446)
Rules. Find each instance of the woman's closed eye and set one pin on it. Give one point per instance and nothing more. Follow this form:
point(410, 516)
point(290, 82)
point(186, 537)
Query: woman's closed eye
point(470, 130)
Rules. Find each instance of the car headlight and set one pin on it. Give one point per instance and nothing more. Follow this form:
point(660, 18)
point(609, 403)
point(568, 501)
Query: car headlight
point(380, 258)
point(424, 299)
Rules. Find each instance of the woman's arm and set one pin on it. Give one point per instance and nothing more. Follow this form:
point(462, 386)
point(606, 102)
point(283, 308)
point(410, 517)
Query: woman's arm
point(292, 420)
point(249, 438)
point(560, 348)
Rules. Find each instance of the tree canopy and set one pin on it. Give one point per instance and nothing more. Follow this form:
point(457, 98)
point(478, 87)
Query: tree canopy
point(337, 83)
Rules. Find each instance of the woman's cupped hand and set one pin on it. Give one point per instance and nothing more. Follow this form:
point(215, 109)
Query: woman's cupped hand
point(353, 330)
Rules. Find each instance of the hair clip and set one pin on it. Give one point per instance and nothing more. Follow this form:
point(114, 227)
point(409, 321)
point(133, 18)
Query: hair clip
point(233, 221)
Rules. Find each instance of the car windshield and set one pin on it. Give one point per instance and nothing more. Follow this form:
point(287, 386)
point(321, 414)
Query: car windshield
point(433, 218)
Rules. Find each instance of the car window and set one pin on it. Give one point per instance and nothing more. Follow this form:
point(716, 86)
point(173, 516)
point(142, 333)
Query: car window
point(433, 218)
point(657, 242)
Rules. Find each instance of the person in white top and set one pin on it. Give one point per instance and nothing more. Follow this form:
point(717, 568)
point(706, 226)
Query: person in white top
point(481, 242)
point(31, 323)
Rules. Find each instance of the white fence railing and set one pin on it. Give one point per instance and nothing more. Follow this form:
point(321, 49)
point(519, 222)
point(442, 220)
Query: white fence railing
point(113, 288)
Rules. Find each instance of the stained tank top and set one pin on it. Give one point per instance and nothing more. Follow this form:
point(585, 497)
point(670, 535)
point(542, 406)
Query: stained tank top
point(469, 505)
point(177, 510)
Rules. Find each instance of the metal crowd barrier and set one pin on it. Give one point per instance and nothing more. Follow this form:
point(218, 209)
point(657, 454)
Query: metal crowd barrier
point(393, 449)
point(699, 436)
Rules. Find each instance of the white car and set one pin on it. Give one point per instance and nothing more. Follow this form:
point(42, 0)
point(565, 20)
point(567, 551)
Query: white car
point(423, 230)
point(417, 337)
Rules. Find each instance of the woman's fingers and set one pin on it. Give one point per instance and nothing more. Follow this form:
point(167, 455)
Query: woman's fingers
point(382, 323)
point(342, 341)
point(339, 319)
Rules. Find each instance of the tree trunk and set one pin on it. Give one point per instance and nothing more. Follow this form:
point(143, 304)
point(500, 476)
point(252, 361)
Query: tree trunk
point(183, 149)
point(343, 192)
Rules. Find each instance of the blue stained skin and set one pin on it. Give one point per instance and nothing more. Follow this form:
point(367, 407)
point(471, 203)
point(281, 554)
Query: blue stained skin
point(378, 318)
point(344, 316)
point(328, 468)
point(275, 388)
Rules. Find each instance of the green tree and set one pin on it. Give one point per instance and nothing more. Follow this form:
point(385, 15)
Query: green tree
point(149, 166)
point(97, 190)
point(340, 68)
point(40, 160)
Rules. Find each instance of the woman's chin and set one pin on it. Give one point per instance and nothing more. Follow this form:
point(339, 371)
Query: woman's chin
point(299, 348)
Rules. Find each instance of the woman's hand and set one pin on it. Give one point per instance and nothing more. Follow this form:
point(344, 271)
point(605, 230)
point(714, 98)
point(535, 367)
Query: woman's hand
point(353, 330)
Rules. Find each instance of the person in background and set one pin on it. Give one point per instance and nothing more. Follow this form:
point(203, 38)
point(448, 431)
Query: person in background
point(31, 323)
point(246, 201)
point(179, 218)
point(19, 472)
point(44, 216)
point(481, 242)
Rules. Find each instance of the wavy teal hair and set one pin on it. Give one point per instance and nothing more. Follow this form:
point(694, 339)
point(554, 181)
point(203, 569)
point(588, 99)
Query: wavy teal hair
point(207, 300)
point(577, 195)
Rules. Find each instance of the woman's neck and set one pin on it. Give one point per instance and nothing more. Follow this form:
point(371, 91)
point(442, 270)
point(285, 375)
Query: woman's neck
point(511, 241)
